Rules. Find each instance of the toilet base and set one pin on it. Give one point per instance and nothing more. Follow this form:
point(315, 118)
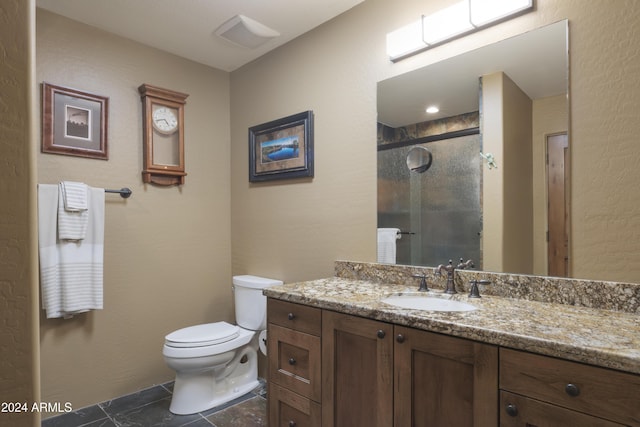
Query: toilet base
point(200, 390)
point(187, 405)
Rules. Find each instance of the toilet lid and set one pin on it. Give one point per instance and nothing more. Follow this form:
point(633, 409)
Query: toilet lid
point(202, 335)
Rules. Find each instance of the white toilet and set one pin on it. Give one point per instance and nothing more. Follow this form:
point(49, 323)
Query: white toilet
point(217, 362)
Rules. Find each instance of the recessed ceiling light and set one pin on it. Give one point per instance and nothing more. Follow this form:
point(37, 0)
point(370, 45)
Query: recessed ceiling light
point(432, 109)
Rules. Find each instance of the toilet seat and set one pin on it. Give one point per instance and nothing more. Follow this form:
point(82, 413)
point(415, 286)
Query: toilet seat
point(202, 335)
point(171, 350)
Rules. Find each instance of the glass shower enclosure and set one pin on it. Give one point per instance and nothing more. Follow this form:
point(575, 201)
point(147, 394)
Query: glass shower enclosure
point(435, 203)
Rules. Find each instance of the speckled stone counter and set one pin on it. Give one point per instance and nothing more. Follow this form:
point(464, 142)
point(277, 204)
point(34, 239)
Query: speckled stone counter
point(573, 331)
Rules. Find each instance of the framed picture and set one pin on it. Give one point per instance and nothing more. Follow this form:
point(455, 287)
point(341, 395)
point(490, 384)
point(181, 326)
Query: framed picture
point(282, 148)
point(74, 123)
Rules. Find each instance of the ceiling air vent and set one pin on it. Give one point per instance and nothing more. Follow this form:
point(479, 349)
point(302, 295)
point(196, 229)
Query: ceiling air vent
point(245, 32)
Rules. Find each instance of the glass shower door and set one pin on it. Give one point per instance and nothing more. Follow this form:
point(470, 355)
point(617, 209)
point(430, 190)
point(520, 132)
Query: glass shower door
point(440, 207)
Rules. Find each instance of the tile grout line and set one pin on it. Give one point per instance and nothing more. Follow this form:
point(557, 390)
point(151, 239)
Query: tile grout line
point(165, 386)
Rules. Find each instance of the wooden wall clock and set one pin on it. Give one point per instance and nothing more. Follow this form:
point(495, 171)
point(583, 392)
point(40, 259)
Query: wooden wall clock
point(163, 135)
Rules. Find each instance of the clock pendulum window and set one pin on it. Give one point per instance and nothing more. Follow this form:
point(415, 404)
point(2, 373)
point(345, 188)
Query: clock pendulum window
point(163, 135)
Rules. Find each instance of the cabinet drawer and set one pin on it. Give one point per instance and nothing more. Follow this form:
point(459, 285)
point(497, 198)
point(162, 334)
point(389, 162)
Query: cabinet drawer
point(601, 392)
point(518, 411)
point(294, 360)
point(287, 409)
point(295, 316)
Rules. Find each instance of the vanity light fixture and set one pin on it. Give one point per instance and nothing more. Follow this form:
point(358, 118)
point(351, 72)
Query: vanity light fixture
point(432, 109)
point(461, 18)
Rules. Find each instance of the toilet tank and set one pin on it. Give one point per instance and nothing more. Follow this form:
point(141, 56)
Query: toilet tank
point(251, 305)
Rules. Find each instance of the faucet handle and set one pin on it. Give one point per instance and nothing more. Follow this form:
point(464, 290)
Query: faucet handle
point(423, 282)
point(463, 265)
point(474, 292)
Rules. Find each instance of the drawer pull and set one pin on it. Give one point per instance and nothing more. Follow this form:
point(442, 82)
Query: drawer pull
point(512, 410)
point(381, 334)
point(291, 316)
point(572, 390)
point(292, 424)
point(292, 361)
point(400, 338)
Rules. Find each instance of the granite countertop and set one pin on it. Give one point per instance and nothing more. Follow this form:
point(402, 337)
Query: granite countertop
point(605, 338)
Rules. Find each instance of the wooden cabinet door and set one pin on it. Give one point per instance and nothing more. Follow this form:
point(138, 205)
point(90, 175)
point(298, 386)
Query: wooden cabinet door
point(592, 390)
point(444, 381)
point(357, 371)
point(294, 361)
point(289, 409)
point(520, 411)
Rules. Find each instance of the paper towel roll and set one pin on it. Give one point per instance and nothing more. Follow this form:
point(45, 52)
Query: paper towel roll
point(262, 342)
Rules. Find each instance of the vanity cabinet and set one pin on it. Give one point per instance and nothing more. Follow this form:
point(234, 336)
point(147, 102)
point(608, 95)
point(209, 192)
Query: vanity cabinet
point(333, 369)
point(378, 374)
point(441, 380)
point(294, 388)
point(357, 371)
point(544, 391)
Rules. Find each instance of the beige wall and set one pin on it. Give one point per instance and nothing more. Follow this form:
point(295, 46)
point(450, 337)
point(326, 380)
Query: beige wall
point(168, 245)
point(19, 378)
point(333, 70)
point(493, 200)
point(518, 179)
point(167, 249)
point(507, 190)
point(550, 116)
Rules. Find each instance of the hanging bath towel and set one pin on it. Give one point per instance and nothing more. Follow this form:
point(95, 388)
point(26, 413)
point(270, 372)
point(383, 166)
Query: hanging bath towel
point(73, 210)
point(71, 272)
point(387, 244)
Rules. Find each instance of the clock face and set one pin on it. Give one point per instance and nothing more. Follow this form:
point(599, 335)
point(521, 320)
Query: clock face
point(165, 119)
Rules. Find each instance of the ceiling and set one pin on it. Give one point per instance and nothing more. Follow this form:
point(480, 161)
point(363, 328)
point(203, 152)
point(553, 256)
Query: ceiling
point(537, 61)
point(186, 27)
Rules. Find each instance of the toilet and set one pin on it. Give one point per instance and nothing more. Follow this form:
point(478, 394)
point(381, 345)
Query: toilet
point(217, 362)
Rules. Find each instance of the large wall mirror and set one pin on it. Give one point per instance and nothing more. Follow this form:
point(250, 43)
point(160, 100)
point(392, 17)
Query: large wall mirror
point(497, 187)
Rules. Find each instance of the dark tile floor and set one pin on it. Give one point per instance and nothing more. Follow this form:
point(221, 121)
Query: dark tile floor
point(150, 408)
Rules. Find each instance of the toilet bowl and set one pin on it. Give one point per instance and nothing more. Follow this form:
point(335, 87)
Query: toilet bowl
point(217, 362)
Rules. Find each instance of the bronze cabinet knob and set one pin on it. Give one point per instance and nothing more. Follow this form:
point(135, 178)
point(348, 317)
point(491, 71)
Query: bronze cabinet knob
point(572, 390)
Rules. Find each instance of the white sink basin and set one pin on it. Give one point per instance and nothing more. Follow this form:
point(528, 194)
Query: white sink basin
point(428, 303)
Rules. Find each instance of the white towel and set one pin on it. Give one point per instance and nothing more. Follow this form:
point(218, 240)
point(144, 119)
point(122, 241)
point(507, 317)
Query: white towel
point(71, 272)
point(75, 195)
point(387, 244)
point(73, 213)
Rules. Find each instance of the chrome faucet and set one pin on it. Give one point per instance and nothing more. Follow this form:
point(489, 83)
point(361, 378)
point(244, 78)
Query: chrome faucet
point(451, 270)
